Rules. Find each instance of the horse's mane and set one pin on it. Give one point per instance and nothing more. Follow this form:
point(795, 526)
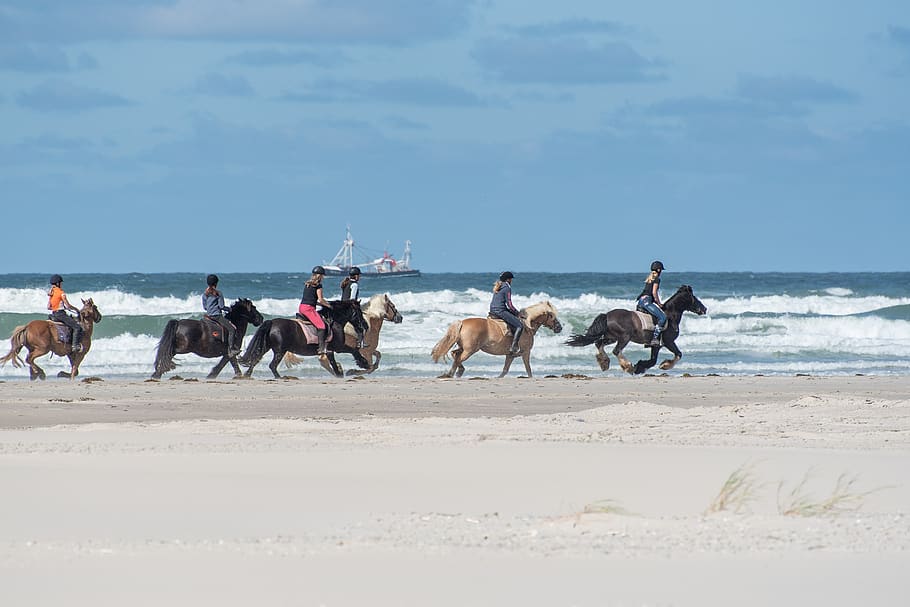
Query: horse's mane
point(682, 289)
point(375, 306)
point(539, 309)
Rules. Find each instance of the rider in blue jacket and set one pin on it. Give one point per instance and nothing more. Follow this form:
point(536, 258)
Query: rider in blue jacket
point(501, 307)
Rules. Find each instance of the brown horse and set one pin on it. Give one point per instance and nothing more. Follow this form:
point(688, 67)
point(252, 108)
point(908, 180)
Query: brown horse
point(40, 337)
point(492, 336)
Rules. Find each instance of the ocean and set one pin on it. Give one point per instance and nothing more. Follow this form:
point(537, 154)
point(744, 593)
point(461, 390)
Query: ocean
point(757, 323)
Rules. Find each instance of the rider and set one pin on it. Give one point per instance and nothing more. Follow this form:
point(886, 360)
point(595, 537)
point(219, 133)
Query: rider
point(213, 304)
point(501, 307)
point(350, 290)
point(312, 296)
point(649, 300)
point(57, 303)
point(350, 286)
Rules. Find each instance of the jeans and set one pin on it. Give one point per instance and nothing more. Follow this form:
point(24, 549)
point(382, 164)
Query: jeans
point(647, 302)
point(511, 320)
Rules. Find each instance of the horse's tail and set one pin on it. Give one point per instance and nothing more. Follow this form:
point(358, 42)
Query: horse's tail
point(167, 349)
point(16, 343)
point(258, 345)
point(597, 330)
point(441, 349)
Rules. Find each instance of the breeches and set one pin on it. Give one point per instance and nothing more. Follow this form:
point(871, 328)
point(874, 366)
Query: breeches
point(312, 315)
point(511, 320)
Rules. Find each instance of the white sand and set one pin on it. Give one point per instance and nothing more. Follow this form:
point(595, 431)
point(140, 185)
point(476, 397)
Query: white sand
point(468, 492)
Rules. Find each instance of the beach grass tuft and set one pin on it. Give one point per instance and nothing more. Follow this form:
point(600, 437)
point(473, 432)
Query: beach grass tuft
point(843, 498)
point(737, 492)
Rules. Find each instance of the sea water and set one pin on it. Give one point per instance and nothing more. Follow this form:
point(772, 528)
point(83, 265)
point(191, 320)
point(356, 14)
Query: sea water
point(757, 323)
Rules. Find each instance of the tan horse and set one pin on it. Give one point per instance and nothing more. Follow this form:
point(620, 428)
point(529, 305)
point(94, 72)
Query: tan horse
point(379, 308)
point(492, 336)
point(40, 337)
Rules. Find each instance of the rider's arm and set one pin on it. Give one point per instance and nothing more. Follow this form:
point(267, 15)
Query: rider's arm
point(67, 304)
point(320, 300)
point(654, 293)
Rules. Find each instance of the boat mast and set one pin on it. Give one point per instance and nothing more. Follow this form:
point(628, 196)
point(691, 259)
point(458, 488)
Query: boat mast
point(344, 258)
point(405, 263)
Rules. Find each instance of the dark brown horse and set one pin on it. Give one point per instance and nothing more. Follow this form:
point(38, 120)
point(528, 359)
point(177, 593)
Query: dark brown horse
point(622, 326)
point(474, 334)
point(378, 309)
point(40, 337)
point(204, 338)
point(283, 335)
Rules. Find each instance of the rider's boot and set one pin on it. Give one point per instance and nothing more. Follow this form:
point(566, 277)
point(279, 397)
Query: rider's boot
point(321, 333)
point(655, 339)
point(77, 340)
point(513, 349)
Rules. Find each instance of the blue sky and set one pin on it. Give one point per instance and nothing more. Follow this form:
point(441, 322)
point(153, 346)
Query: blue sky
point(244, 135)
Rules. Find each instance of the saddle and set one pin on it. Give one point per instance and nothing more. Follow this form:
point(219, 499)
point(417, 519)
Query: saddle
point(214, 328)
point(309, 331)
point(64, 333)
point(502, 325)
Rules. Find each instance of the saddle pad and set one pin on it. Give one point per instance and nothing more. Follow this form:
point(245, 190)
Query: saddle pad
point(310, 331)
point(646, 320)
point(502, 325)
point(64, 333)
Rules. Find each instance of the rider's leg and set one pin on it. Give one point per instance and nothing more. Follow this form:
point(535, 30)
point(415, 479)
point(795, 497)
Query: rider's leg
point(517, 329)
point(660, 325)
point(69, 321)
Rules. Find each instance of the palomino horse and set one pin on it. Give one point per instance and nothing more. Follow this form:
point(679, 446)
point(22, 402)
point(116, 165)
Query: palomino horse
point(622, 326)
point(492, 336)
point(283, 335)
point(379, 308)
point(40, 337)
point(204, 338)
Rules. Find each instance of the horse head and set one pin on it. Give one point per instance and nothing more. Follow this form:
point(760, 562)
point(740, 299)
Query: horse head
point(685, 300)
point(391, 312)
point(543, 314)
point(243, 309)
point(89, 311)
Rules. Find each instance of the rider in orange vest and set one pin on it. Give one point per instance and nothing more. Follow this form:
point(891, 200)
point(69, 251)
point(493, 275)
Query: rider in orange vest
point(57, 303)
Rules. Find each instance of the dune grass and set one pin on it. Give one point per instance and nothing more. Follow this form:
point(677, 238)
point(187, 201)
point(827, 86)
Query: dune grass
point(738, 491)
point(843, 498)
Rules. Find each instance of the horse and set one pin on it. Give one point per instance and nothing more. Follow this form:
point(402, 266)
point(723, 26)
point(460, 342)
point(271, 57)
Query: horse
point(492, 336)
point(283, 335)
point(622, 326)
point(378, 308)
point(204, 338)
point(40, 337)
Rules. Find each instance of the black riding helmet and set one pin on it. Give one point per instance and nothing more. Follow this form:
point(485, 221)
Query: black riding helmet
point(56, 279)
point(211, 280)
point(354, 271)
point(506, 275)
point(657, 265)
point(318, 270)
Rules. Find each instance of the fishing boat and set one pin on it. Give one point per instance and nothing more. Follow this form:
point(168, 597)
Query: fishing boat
point(382, 267)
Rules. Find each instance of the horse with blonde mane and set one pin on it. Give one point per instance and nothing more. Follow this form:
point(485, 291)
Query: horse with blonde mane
point(492, 336)
point(41, 336)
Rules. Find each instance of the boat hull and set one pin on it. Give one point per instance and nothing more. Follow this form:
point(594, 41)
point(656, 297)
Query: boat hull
point(397, 274)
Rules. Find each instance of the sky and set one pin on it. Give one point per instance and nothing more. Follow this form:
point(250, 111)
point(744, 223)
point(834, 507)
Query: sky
point(583, 135)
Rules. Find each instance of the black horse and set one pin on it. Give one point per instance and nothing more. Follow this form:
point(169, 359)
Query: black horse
point(204, 338)
point(283, 335)
point(622, 326)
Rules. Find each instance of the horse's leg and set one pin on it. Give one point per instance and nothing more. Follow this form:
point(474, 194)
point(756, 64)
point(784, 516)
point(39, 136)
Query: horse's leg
point(335, 367)
point(506, 365)
point(669, 363)
point(627, 366)
point(75, 359)
point(238, 374)
point(34, 371)
point(603, 359)
point(377, 356)
point(217, 368)
point(459, 358)
point(279, 355)
point(643, 365)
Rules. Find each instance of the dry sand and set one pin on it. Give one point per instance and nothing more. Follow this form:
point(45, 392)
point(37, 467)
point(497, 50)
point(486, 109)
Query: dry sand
point(381, 491)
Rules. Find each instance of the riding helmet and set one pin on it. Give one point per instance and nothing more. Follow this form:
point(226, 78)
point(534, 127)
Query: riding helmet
point(318, 270)
point(56, 279)
point(354, 271)
point(211, 280)
point(657, 265)
point(506, 275)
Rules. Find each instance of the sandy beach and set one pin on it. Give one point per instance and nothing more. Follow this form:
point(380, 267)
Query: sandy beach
point(379, 491)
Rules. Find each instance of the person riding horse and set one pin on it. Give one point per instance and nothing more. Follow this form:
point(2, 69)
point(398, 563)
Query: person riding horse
point(501, 307)
point(57, 303)
point(213, 305)
point(312, 296)
point(649, 301)
point(350, 289)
